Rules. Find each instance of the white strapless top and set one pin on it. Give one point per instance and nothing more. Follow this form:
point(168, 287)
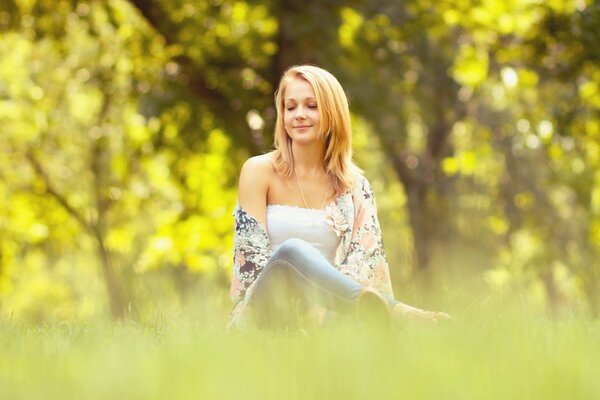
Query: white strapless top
point(309, 224)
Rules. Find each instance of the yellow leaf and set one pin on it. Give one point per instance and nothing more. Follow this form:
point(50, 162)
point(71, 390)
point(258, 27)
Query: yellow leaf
point(450, 166)
point(471, 66)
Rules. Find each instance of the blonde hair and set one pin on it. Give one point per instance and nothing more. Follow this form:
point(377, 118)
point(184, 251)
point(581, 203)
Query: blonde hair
point(336, 128)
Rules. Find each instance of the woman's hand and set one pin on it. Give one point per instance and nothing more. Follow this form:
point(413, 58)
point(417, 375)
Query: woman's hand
point(404, 312)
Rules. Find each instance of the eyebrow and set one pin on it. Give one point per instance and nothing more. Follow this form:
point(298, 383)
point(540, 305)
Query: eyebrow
point(306, 98)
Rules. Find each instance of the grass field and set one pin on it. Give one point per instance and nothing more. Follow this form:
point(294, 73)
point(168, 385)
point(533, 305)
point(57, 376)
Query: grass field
point(482, 355)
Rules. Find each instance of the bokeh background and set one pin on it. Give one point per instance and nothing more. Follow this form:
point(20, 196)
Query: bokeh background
point(124, 124)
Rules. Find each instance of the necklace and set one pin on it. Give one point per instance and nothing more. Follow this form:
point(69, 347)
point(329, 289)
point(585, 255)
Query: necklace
point(302, 193)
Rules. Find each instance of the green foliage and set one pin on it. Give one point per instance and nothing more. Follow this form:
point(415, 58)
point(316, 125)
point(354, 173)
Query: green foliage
point(82, 159)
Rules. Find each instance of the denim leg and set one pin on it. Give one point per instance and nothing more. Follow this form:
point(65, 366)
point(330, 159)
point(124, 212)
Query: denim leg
point(299, 272)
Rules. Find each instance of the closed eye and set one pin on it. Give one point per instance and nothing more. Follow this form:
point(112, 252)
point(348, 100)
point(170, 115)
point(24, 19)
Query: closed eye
point(313, 106)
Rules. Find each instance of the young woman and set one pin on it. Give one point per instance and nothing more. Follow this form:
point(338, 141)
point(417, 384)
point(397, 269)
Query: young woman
point(307, 237)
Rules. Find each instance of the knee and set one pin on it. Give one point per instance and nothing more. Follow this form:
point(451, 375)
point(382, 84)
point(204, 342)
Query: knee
point(289, 249)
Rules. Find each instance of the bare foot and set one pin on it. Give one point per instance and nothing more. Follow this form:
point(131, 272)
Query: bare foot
point(404, 312)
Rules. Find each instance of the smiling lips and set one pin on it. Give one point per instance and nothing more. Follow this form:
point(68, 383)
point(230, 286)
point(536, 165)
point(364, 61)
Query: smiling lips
point(302, 126)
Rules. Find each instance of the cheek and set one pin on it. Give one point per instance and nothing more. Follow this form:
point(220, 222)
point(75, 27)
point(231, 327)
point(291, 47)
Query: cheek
point(315, 119)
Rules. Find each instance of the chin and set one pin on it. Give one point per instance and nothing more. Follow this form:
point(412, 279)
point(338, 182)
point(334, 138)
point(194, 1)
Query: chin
point(304, 139)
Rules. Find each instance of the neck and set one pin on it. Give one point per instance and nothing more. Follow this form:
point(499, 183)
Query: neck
point(309, 158)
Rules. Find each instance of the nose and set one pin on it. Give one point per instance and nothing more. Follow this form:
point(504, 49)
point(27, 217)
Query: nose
point(300, 113)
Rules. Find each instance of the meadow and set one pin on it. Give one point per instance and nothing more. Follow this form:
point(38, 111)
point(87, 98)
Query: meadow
point(485, 352)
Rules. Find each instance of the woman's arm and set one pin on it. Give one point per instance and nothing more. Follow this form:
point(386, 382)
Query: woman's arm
point(251, 242)
point(254, 185)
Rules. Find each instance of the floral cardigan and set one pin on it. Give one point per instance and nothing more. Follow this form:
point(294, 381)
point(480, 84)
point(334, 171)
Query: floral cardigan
point(360, 254)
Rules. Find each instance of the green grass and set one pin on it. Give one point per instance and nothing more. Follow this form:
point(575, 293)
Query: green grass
point(483, 355)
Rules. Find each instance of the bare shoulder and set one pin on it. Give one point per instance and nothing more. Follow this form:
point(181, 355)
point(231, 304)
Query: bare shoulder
point(254, 181)
point(256, 172)
point(258, 166)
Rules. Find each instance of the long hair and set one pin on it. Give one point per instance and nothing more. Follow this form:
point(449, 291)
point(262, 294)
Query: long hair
point(336, 128)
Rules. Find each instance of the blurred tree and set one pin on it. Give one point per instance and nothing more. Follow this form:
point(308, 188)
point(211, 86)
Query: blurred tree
point(538, 60)
point(71, 113)
point(403, 87)
point(124, 123)
point(564, 56)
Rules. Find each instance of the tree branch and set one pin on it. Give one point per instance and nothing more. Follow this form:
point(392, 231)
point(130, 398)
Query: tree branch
point(193, 77)
point(51, 190)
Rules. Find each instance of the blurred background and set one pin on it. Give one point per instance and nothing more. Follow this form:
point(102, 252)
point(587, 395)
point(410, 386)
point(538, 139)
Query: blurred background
point(124, 124)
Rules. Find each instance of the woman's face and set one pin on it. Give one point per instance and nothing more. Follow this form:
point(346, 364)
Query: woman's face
point(300, 115)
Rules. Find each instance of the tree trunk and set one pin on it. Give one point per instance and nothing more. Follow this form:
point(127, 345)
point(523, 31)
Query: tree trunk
point(116, 297)
point(419, 223)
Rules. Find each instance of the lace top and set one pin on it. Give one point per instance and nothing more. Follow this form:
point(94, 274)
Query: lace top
point(309, 224)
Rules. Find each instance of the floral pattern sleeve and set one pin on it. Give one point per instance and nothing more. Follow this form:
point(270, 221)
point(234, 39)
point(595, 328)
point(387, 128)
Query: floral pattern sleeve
point(363, 258)
point(250, 253)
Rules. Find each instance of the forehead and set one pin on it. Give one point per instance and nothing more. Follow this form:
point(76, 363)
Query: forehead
point(298, 89)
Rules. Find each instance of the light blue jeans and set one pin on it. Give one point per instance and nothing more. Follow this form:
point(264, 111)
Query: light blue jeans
point(297, 277)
